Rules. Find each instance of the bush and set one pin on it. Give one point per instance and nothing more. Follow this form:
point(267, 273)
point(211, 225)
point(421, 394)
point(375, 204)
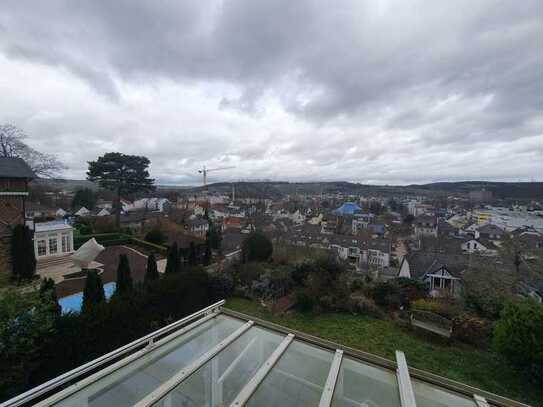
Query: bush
point(487, 306)
point(410, 290)
point(471, 329)
point(366, 306)
point(519, 333)
point(446, 309)
point(221, 286)
point(155, 236)
point(37, 346)
point(22, 253)
point(305, 301)
point(256, 247)
point(387, 294)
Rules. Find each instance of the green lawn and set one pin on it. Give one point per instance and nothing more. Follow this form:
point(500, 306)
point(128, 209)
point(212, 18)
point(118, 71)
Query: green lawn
point(482, 369)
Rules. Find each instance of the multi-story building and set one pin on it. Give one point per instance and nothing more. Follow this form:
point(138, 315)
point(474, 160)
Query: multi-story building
point(14, 177)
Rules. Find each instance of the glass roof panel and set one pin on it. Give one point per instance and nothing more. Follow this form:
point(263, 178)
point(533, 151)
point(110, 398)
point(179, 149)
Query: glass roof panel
point(359, 384)
point(131, 383)
point(427, 395)
point(297, 379)
point(218, 382)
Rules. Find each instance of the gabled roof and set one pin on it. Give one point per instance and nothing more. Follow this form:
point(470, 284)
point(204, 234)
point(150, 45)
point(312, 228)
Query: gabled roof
point(13, 167)
point(490, 228)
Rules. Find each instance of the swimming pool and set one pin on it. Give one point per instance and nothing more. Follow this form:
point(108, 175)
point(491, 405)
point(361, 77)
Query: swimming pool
point(74, 302)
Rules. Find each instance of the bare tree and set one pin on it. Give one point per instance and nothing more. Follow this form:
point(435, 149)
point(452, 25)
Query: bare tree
point(12, 145)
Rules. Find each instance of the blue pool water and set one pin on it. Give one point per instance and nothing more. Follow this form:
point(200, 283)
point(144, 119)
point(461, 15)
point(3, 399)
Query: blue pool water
point(73, 303)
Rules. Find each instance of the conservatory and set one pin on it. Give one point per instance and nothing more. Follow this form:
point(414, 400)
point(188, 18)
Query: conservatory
point(217, 357)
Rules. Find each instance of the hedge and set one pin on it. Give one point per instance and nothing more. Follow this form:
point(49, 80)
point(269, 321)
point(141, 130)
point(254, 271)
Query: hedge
point(113, 239)
point(75, 338)
point(105, 239)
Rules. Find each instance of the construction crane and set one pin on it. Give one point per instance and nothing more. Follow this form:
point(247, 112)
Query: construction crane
point(205, 170)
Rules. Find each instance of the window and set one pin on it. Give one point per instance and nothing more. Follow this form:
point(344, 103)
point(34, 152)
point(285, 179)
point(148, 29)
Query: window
point(66, 244)
point(42, 247)
point(468, 246)
point(53, 245)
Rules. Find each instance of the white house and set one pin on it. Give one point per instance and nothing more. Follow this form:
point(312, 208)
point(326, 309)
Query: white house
point(53, 239)
point(152, 204)
point(479, 246)
point(82, 211)
point(60, 213)
point(426, 225)
point(103, 212)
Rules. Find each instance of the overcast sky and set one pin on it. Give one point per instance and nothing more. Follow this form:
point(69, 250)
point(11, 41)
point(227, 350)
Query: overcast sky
point(368, 91)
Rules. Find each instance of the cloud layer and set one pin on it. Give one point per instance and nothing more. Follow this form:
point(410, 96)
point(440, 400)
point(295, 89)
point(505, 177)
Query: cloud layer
point(384, 92)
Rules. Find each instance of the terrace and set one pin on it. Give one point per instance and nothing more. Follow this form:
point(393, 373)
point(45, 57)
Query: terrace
point(220, 357)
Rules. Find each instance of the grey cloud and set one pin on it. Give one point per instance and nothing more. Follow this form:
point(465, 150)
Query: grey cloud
point(431, 77)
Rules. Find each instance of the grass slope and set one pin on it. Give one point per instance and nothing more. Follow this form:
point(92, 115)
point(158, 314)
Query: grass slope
point(479, 368)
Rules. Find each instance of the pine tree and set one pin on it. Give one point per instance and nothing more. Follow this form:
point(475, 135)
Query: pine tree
point(192, 254)
point(152, 270)
point(22, 253)
point(124, 279)
point(207, 254)
point(172, 262)
point(93, 293)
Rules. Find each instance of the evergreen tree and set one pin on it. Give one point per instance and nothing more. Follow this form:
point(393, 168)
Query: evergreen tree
point(48, 295)
point(124, 279)
point(172, 262)
point(256, 247)
point(207, 254)
point(93, 293)
point(22, 253)
point(152, 270)
point(122, 174)
point(214, 237)
point(192, 254)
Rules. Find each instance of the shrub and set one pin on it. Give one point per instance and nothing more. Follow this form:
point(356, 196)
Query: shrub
point(221, 286)
point(124, 279)
point(173, 262)
point(27, 322)
point(446, 309)
point(256, 247)
point(305, 301)
point(387, 294)
point(410, 290)
point(155, 236)
point(34, 348)
point(22, 253)
point(93, 294)
point(487, 306)
point(471, 329)
point(151, 273)
point(366, 306)
point(519, 332)
point(247, 273)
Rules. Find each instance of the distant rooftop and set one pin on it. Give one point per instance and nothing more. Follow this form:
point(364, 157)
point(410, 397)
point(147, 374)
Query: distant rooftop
point(348, 208)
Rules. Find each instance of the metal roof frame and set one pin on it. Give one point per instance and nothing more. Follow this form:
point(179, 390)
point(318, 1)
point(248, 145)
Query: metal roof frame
point(59, 388)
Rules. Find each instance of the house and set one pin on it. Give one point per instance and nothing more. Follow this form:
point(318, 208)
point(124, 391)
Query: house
point(60, 213)
point(482, 246)
point(490, 232)
point(82, 211)
point(126, 206)
point(348, 208)
point(53, 239)
point(101, 212)
point(15, 174)
point(35, 210)
point(426, 225)
point(533, 289)
point(231, 222)
point(151, 204)
point(197, 227)
point(441, 272)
